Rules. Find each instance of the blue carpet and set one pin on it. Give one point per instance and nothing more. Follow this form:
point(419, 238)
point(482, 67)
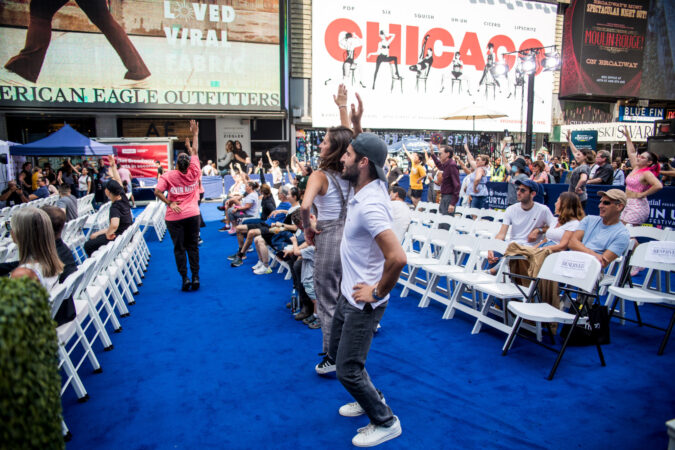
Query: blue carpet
point(228, 367)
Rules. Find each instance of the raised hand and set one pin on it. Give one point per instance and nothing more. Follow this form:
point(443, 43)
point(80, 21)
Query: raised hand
point(356, 113)
point(194, 127)
point(341, 97)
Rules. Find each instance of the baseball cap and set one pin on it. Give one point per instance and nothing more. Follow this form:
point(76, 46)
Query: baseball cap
point(614, 194)
point(374, 148)
point(531, 185)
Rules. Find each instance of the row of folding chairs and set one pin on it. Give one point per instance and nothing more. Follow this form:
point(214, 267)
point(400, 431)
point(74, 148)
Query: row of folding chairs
point(431, 209)
point(461, 260)
point(155, 218)
point(85, 205)
point(6, 213)
point(102, 288)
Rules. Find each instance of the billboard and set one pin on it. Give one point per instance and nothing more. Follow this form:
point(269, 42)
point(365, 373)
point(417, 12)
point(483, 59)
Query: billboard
point(585, 139)
point(415, 63)
point(141, 54)
point(140, 158)
point(618, 49)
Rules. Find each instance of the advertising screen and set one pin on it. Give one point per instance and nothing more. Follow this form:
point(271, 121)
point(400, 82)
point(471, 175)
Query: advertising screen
point(619, 49)
point(143, 54)
point(414, 64)
point(140, 158)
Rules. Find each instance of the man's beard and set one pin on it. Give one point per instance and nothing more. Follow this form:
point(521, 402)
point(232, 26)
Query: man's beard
point(350, 174)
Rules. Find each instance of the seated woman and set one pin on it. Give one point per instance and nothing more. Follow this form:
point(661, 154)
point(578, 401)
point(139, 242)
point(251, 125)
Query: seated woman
point(120, 212)
point(242, 208)
point(278, 236)
point(34, 237)
point(569, 211)
point(247, 232)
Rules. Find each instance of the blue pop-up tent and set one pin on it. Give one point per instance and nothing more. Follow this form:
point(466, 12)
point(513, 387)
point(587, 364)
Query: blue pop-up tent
point(65, 142)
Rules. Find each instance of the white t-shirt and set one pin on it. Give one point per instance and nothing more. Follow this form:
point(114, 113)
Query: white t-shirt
point(401, 215)
point(556, 233)
point(368, 215)
point(523, 222)
point(83, 183)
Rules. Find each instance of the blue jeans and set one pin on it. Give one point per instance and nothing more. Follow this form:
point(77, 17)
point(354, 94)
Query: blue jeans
point(478, 202)
point(350, 338)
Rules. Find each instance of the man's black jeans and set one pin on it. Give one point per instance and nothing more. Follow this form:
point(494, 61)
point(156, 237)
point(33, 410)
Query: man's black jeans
point(185, 236)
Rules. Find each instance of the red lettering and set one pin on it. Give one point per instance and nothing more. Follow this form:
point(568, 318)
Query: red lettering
point(471, 52)
point(332, 37)
point(439, 34)
point(500, 41)
point(412, 35)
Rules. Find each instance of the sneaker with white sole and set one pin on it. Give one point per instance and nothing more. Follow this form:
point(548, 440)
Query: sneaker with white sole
point(262, 270)
point(326, 366)
point(354, 409)
point(372, 435)
point(257, 265)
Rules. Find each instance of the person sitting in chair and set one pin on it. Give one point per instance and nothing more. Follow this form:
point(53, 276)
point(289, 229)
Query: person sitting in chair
point(603, 236)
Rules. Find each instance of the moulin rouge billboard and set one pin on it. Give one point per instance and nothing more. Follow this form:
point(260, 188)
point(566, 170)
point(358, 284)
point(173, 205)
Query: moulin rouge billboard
point(415, 63)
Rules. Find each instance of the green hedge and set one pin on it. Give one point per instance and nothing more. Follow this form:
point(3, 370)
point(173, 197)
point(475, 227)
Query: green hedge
point(30, 384)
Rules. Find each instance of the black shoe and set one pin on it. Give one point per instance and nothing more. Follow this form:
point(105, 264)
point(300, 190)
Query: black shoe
point(307, 320)
point(187, 284)
point(233, 257)
point(326, 366)
point(225, 228)
point(195, 282)
point(237, 262)
point(221, 208)
point(200, 242)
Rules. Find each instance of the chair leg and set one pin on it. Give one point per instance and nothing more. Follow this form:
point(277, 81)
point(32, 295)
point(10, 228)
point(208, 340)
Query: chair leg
point(602, 357)
point(431, 287)
point(662, 347)
point(562, 350)
point(637, 314)
point(512, 336)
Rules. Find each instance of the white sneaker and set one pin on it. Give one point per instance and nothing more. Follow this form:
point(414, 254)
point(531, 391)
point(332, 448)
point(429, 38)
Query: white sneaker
point(354, 409)
point(257, 265)
point(372, 435)
point(262, 270)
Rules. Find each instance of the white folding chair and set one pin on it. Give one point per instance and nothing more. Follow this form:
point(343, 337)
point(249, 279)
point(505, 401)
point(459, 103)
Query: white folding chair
point(654, 255)
point(438, 247)
point(577, 273)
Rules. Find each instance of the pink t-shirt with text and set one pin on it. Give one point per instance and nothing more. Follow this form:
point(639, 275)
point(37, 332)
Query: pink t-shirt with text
point(183, 189)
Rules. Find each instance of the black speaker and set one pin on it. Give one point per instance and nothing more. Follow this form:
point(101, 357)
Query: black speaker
point(3, 158)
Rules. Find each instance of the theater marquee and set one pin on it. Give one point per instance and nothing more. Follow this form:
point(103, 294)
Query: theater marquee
point(415, 63)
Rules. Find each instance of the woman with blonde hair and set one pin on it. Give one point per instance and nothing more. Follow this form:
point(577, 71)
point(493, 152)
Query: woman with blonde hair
point(34, 236)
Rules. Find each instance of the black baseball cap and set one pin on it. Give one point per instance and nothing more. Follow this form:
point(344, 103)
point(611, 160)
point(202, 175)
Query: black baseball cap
point(374, 148)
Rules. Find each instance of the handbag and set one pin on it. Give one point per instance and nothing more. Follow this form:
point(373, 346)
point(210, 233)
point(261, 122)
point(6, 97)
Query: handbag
point(595, 330)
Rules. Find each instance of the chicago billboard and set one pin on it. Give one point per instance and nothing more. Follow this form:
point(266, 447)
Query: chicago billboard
point(143, 54)
point(416, 63)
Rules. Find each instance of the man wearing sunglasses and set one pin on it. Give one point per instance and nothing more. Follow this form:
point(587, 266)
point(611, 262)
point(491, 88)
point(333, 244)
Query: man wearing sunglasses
point(603, 236)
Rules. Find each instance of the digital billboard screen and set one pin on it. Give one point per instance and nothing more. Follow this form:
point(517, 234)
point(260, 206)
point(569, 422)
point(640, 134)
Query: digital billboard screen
point(414, 63)
point(141, 54)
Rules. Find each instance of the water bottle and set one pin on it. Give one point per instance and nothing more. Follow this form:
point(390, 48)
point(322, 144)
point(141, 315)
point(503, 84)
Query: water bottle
point(294, 301)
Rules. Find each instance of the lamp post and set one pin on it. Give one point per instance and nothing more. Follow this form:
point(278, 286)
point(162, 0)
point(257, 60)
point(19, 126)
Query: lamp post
point(527, 65)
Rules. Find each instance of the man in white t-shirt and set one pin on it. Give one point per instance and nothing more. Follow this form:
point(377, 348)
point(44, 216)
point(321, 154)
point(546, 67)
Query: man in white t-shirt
point(400, 211)
point(527, 219)
point(372, 259)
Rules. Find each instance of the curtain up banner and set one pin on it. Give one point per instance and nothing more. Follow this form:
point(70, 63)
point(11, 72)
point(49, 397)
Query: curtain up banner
point(140, 158)
point(414, 63)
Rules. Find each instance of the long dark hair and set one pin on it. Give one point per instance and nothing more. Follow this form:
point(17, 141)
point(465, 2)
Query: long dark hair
point(570, 208)
point(339, 139)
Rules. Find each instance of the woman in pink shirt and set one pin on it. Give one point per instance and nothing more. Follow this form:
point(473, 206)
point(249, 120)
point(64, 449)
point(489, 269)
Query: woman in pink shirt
point(182, 215)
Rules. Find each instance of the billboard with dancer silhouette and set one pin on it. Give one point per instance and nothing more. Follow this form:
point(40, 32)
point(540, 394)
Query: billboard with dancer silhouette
point(131, 54)
point(415, 63)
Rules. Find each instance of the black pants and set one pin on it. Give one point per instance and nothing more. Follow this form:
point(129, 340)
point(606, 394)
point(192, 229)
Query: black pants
point(94, 244)
point(306, 302)
point(185, 236)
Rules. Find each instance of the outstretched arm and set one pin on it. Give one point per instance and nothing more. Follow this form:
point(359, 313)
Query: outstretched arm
point(575, 152)
point(355, 115)
point(630, 148)
point(469, 156)
point(340, 100)
point(194, 148)
point(114, 174)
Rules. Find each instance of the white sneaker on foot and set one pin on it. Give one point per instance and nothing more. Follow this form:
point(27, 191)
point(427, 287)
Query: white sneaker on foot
point(372, 435)
point(262, 270)
point(353, 409)
point(257, 265)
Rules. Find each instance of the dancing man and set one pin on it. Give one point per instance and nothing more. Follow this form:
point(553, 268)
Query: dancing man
point(372, 259)
point(182, 215)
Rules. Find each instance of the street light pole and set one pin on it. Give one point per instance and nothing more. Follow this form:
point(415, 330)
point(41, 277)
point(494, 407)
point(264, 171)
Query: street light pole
point(530, 113)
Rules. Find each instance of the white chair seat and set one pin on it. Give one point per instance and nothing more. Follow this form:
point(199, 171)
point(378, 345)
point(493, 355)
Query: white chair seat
point(66, 331)
point(474, 278)
point(542, 312)
point(418, 261)
point(642, 295)
point(442, 269)
point(463, 249)
point(502, 290)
